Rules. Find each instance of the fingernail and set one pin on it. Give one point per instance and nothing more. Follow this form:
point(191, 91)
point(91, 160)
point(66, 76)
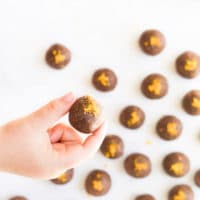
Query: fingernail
point(69, 97)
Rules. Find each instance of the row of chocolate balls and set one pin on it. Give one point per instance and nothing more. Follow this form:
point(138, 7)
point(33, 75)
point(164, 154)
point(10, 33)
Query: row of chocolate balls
point(86, 115)
point(98, 183)
point(154, 86)
point(152, 42)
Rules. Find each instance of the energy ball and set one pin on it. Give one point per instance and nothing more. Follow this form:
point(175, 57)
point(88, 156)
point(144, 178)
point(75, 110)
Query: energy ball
point(58, 56)
point(181, 192)
point(137, 165)
point(152, 42)
point(169, 127)
point(191, 102)
point(112, 147)
point(132, 117)
point(18, 198)
point(145, 197)
point(104, 80)
point(176, 164)
point(197, 178)
point(64, 178)
point(188, 64)
point(85, 114)
point(98, 183)
point(155, 86)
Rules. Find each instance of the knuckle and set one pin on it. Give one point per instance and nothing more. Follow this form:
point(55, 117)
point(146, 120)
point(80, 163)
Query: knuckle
point(53, 105)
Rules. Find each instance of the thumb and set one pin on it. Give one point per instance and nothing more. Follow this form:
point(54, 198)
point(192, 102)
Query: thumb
point(46, 116)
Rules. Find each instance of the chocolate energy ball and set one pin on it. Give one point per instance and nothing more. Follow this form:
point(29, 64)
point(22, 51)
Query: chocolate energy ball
point(104, 80)
point(181, 192)
point(152, 42)
point(169, 127)
point(191, 102)
point(197, 178)
point(132, 117)
point(58, 56)
point(145, 197)
point(98, 183)
point(64, 178)
point(137, 165)
point(155, 86)
point(176, 164)
point(85, 114)
point(112, 147)
point(188, 64)
point(18, 198)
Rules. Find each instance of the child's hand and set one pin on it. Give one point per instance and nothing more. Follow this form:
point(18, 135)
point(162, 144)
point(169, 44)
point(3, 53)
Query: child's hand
point(30, 146)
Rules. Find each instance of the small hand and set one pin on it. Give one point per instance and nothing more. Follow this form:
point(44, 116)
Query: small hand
point(30, 146)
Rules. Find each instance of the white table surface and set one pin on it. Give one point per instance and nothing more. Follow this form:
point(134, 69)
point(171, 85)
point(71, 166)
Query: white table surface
point(99, 33)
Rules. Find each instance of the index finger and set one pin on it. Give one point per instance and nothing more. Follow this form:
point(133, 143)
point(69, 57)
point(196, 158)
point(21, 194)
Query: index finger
point(46, 116)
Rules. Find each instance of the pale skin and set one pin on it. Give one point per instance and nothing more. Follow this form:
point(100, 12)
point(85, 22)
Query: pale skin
point(37, 147)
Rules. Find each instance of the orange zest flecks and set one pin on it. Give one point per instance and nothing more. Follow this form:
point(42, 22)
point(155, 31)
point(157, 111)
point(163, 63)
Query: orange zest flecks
point(97, 185)
point(90, 106)
point(139, 166)
point(177, 168)
point(58, 56)
point(153, 41)
point(179, 196)
point(134, 118)
point(172, 128)
point(112, 150)
point(196, 103)
point(190, 65)
point(62, 178)
point(103, 79)
point(155, 87)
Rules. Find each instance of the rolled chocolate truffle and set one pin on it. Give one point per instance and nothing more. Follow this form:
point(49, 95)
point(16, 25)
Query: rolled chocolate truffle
point(112, 147)
point(132, 117)
point(152, 42)
point(169, 127)
point(58, 56)
point(64, 178)
point(145, 197)
point(188, 64)
point(181, 192)
point(137, 165)
point(104, 79)
point(18, 198)
point(176, 164)
point(197, 178)
point(98, 183)
point(155, 86)
point(85, 114)
point(191, 102)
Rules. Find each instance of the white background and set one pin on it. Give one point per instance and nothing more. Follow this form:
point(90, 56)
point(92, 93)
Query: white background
point(99, 33)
